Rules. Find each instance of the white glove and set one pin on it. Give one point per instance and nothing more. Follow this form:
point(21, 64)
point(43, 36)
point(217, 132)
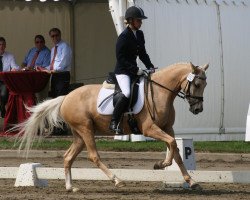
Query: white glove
point(140, 71)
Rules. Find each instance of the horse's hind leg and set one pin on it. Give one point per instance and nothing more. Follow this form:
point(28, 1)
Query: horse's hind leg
point(87, 133)
point(69, 158)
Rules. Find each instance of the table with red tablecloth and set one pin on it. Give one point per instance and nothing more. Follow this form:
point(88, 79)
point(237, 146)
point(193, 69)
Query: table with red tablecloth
point(22, 86)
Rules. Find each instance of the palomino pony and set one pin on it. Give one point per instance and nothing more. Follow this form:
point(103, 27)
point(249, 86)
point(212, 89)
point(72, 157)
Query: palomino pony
point(78, 110)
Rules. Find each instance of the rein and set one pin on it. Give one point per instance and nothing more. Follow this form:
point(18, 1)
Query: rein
point(179, 94)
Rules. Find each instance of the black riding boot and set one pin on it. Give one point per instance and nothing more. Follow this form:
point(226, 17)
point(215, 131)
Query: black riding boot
point(119, 109)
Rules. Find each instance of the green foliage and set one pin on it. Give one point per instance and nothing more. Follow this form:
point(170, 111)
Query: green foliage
point(5, 144)
point(53, 145)
point(130, 146)
point(111, 145)
point(229, 147)
point(44, 144)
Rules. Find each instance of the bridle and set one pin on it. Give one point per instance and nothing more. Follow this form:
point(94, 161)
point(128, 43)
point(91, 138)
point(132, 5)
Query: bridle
point(188, 96)
point(182, 94)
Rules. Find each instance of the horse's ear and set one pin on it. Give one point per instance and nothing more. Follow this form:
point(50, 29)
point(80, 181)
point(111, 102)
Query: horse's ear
point(205, 66)
point(193, 68)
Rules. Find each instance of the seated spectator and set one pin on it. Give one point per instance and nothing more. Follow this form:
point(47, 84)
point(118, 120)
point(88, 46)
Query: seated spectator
point(7, 63)
point(60, 65)
point(38, 57)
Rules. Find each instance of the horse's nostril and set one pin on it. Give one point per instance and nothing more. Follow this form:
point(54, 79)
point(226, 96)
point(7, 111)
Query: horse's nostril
point(197, 110)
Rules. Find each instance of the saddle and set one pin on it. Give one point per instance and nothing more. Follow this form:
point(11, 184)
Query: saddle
point(111, 83)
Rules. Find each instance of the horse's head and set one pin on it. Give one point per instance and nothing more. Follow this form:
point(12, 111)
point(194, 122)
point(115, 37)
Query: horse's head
point(194, 88)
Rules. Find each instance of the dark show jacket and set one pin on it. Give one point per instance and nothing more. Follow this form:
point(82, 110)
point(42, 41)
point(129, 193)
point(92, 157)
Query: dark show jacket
point(128, 47)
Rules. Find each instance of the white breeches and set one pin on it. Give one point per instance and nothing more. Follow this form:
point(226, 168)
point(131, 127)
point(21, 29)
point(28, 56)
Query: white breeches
point(124, 83)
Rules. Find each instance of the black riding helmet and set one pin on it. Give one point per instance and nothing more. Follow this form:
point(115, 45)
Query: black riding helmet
point(135, 13)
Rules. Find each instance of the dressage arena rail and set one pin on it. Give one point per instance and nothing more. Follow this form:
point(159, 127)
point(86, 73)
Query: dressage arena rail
point(134, 175)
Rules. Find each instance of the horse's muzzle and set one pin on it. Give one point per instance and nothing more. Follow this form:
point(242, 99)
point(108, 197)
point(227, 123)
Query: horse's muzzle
point(196, 108)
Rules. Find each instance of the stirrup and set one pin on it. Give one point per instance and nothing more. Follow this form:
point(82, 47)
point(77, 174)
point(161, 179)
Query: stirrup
point(115, 128)
point(118, 131)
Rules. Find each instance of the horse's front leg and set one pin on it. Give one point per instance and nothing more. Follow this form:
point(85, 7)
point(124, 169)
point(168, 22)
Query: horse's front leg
point(155, 132)
point(188, 179)
point(192, 184)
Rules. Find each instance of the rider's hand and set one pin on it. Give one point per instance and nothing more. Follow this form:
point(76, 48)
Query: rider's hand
point(140, 71)
point(152, 69)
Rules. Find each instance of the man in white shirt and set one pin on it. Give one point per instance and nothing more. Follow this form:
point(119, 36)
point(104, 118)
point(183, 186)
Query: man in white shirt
point(60, 64)
point(7, 63)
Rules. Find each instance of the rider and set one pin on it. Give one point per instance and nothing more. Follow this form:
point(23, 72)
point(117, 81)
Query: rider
point(130, 44)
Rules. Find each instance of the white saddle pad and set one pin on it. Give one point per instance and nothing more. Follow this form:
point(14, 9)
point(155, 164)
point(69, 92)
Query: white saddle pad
point(107, 107)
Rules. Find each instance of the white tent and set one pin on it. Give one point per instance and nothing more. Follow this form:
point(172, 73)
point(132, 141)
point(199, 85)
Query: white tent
point(204, 31)
point(200, 31)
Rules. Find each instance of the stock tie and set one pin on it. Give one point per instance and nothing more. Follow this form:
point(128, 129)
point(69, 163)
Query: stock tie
point(53, 60)
point(34, 59)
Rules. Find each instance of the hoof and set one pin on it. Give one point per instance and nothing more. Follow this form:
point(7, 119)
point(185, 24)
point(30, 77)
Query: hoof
point(73, 189)
point(159, 165)
point(156, 166)
point(120, 184)
point(196, 187)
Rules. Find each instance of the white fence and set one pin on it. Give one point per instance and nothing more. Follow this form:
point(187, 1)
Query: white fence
point(133, 175)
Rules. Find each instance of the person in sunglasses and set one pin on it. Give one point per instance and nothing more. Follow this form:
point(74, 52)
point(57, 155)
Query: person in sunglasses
point(37, 57)
point(60, 64)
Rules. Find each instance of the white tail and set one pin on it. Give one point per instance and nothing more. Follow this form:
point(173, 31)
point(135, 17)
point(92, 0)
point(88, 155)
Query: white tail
point(44, 117)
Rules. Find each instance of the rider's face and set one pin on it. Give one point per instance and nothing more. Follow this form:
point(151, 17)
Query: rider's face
point(136, 24)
